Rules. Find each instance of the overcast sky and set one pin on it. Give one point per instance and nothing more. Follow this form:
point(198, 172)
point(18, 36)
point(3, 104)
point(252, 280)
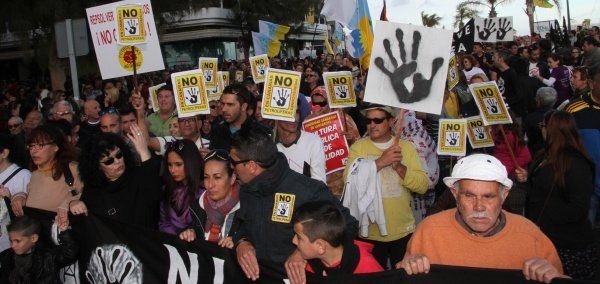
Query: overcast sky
point(409, 11)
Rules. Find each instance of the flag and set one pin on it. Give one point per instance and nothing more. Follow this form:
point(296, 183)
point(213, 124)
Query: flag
point(542, 3)
point(327, 44)
point(362, 36)
point(341, 11)
point(272, 30)
point(383, 16)
point(265, 44)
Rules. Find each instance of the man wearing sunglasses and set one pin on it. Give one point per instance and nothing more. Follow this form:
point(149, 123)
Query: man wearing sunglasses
point(189, 128)
point(396, 171)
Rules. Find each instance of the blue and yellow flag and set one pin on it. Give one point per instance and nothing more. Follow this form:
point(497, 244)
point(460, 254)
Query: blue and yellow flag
point(265, 44)
point(273, 30)
point(362, 36)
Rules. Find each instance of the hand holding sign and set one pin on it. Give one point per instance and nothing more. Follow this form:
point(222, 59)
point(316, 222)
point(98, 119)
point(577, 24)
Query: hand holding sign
point(489, 27)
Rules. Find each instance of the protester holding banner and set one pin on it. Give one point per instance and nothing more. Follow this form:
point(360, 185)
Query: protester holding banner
point(562, 183)
point(398, 168)
point(183, 185)
point(159, 121)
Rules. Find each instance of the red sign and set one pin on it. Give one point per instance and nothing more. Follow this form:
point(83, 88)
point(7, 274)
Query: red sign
point(329, 128)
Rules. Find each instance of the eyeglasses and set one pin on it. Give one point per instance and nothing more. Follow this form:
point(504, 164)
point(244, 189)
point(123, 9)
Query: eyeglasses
point(321, 104)
point(62, 113)
point(12, 126)
point(218, 154)
point(110, 110)
point(111, 160)
point(38, 146)
point(185, 120)
point(235, 163)
point(175, 145)
point(376, 120)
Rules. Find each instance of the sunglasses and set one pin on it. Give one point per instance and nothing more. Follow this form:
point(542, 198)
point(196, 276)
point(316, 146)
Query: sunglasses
point(321, 104)
point(111, 160)
point(185, 120)
point(12, 126)
point(235, 163)
point(175, 145)
point(376, 120)
point(110, 110)
point(218, 154)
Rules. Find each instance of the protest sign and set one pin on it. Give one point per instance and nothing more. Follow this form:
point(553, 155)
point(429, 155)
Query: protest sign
point(480, 135)
point(130, 23)
point(239, 76)
point(453, 73)
point(329, 128)
point(491, 105)
point(463, 39)
point(280, 94)
point(452, 137)
point(222, 81)
point(494, 29)
point(190, 93)
point(210, 67)
point(259, 65)
point(340, 89)
point(153, 91)
point(116, 60)
point(408, 67)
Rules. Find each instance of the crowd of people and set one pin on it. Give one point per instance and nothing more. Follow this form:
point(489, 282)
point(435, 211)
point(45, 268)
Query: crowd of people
point(260, 188)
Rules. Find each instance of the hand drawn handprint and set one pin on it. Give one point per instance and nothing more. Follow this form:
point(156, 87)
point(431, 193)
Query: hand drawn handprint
point(342, 92)
point(421, 86)
point(503, 28)
point(208, 75)
point(192, 95)
point(479, 133)
point(113, 264)
point(489, 27)
point(492, 106)
point(132, 26)
point(260, 70)
point(452, 138)
point(282, 98)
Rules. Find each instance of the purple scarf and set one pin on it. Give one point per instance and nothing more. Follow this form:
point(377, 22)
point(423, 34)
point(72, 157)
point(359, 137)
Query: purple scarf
point(175, 216)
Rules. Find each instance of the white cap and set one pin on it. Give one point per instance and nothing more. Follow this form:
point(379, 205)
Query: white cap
point(479, 167)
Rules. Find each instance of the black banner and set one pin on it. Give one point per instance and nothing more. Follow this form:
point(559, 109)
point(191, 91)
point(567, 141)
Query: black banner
point(462, 41)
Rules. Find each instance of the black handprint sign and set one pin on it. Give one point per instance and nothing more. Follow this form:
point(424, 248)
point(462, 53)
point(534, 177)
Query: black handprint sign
point(192, 95)
point(492, 106)
point(261, 70)
point(132, 26)
point(422, 86)
point(342, 92)
point(282, 98)
point(489, 27)
point(113, 264)
point(503, 28)
point(479, 133)
point(208, 75)
point(452, 139)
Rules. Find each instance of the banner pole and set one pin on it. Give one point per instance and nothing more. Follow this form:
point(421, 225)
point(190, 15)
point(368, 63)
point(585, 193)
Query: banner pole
point(343, 118)
point(135, 83)
point(399, 121)
point(510, 150)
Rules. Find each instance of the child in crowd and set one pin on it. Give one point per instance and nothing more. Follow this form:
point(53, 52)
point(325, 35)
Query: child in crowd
point(319, 228)
point(31, 261)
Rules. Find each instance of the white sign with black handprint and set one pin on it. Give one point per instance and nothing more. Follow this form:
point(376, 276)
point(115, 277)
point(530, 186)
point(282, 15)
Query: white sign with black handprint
point(492, 106)
point(281, 97)
point(131, 27)
point(112, 264)
point(192, 95)
point(494, 29)
point(452, 138)
point(260, 69)
point(208, 75)
point(480, 133)
point(407, 69)
point(341, 92)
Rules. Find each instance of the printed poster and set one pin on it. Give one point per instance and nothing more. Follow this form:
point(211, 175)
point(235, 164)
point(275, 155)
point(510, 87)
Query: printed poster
point(329, 128)
point(490, 103)
point(280, 94)
point(222, 80)
point(340, 89)
point(154, 96)
point(239, 76)
point(210, 67)
point(190, 93)
point(453, 73)
point(452, 137)
point(259, 65)
point(480, 135)
point(130, 22)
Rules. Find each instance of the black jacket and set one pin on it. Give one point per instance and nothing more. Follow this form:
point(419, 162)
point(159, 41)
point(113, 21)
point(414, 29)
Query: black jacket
point(45, 262)
point(221, 136)
point(565, 216)
point(133, 198)
point(268, 204)
point(513, 93)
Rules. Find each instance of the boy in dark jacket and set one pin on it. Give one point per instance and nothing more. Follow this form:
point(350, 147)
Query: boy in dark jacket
point(319, 236)
point(30, 261)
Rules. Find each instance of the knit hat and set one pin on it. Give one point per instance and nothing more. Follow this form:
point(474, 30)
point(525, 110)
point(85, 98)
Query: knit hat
point(479, 167)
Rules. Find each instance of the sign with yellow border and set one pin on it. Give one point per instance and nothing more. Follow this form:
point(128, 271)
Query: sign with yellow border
point(223, 80)
point(259, 65)
point(154, 96)
point(283, 207)
point(130, 25)
point(280, 94)
point(190, 93)
point(453, 73)
point(239, 76)
point(480, 135)
point(490, 103)
point(452, 137)
point(340, 89)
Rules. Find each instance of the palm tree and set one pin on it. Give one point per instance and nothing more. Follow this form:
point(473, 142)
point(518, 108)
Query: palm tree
point(531, 10)
point(464, 11)
point(430, 20)
point(492, 4)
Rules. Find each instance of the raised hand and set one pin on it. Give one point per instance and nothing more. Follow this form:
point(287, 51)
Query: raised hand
point(489, 27)
point(479, 133)
point(282, 98)
point(343, 92)
point(452, 139)
point(192, 95)
point(132, 27)
point(503, 28)
point(422, 86)
point(492, 106)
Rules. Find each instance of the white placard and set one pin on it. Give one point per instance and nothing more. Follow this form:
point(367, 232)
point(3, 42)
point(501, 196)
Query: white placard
point(494, 29)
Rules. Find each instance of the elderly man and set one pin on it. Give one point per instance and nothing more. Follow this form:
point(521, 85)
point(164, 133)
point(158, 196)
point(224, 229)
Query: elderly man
point(15, 125)
point(62, 110)
point(478, 233)
point(545, 98)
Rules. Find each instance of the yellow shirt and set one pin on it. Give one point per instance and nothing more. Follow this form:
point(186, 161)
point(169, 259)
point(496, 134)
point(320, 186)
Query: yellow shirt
point(395, 190)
